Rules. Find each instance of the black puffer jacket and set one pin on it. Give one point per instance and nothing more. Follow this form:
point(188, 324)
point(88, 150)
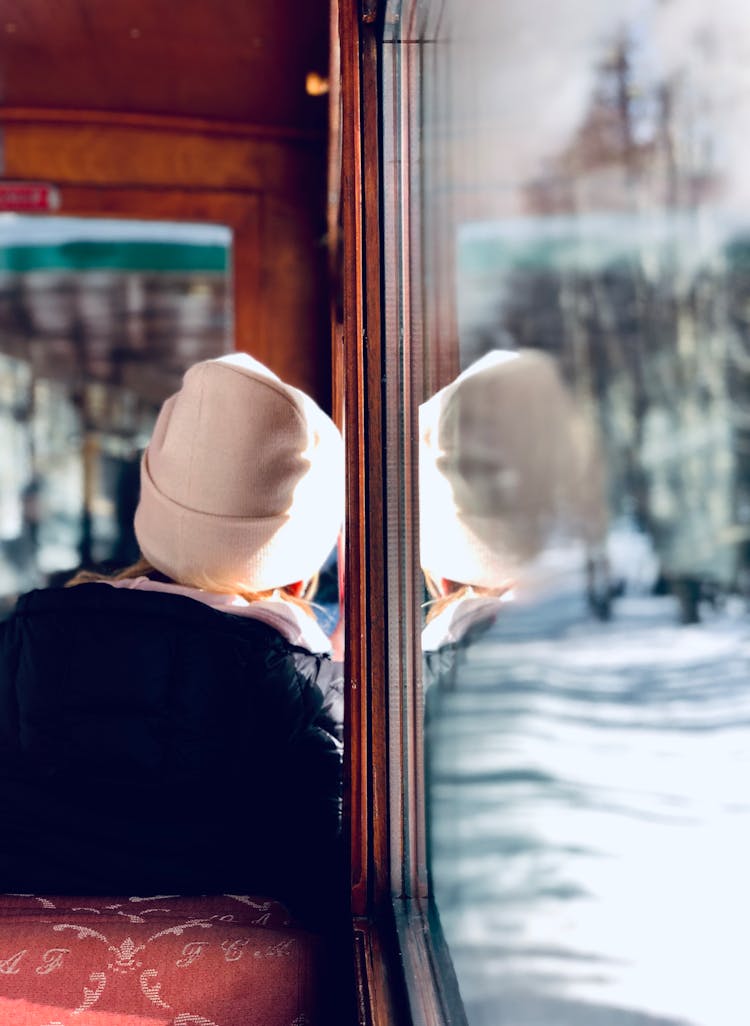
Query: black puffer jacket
point(150, 744)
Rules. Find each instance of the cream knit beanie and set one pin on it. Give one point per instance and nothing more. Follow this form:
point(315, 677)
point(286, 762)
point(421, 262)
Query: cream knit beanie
point(242, 483)
point(505, 464)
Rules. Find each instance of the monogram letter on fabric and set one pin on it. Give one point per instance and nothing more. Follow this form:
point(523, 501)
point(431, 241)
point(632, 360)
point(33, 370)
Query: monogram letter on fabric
point(8, 966)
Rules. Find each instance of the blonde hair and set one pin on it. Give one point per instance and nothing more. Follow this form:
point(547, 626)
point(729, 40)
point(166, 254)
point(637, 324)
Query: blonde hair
point(143, 568)
point(455, 591)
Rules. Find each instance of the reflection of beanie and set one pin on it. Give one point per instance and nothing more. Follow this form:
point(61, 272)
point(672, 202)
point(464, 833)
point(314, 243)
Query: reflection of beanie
point(242, 483)
point(504, 463)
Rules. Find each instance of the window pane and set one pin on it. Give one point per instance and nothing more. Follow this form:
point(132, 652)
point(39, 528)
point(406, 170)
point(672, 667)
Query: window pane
point(98, 321)
point(587, 703)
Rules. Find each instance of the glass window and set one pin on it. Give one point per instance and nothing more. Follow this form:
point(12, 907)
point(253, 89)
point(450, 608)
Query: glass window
point(98, 321)
point(585, 506)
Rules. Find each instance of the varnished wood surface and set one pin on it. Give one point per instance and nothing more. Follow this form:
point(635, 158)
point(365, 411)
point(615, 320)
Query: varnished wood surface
point(399, 972)
point(363, 367)
point(126, 154)
point(228, 59)
point(374, 456)
point(198, 110)
point(278, 268)
point(159, 123)
point(357, 747)
point(159, 203)
point(379, 989)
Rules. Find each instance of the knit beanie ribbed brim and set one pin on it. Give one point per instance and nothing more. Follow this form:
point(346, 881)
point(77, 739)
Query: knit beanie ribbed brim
point(242, 483)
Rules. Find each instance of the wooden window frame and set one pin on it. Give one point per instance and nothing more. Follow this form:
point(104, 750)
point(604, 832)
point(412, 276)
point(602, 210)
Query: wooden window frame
point(250, 179)
point(402, 966)
point(358, 369)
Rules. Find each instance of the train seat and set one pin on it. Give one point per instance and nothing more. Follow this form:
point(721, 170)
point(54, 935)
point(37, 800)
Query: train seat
point(228, 960)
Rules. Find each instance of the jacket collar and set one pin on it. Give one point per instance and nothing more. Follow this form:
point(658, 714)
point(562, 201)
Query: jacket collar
point(292, 623)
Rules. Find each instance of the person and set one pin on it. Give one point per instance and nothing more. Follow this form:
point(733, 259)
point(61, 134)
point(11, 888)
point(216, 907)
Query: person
point(177, 729)
point(506, 465)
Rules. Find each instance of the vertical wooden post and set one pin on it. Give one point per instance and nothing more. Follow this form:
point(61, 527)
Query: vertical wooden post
point(363, 372)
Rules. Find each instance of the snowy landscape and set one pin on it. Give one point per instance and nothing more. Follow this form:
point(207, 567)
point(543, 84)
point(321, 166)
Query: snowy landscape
point(591, 816)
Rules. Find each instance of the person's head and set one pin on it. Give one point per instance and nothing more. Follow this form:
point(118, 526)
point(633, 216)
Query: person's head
point(242, 483)
point(503, 464)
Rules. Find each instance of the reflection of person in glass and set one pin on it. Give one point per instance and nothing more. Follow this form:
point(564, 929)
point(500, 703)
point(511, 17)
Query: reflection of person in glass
point(177, 728)
point(507, 465)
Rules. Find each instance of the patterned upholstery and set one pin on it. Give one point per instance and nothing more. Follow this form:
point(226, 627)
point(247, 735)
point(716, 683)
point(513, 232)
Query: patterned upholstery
point(229, 960)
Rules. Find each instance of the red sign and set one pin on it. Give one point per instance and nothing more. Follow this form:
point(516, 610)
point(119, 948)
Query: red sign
point(28, 197)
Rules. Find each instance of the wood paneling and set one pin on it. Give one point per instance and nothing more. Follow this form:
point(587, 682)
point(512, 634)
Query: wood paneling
point(278, 269)
point(160, 203)
point(379, 988)
point(229, 59)
point(357, 748)
point(189, 111)
point(364, 366)
point(161, 154)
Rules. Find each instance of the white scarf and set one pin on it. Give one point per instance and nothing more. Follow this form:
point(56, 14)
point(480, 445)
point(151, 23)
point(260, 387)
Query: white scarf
point(450, 626)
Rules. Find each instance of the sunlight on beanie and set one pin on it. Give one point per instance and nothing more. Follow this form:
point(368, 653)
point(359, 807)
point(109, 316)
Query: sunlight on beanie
point(242, 483)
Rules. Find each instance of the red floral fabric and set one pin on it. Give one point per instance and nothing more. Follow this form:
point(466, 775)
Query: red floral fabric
point(230, 960)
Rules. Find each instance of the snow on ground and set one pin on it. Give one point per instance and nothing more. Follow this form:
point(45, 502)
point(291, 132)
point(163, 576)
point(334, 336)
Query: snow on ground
point(591, 817)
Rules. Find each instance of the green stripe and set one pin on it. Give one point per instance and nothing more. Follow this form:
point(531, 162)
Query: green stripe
point(120, 256)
